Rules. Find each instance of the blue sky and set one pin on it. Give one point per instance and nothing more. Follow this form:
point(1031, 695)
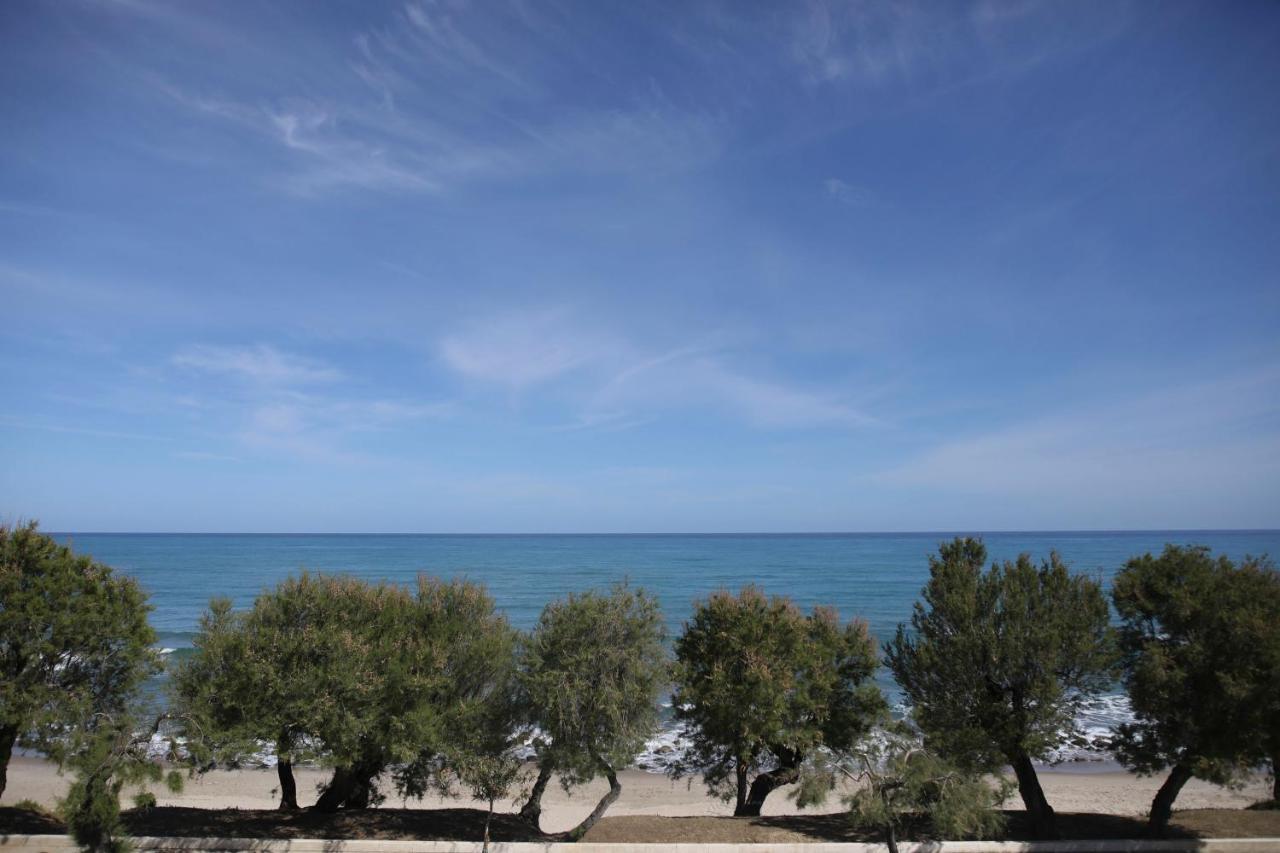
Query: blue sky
point(539, 266)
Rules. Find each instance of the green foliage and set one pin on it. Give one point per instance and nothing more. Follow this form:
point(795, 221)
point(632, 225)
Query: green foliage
point(904, 781)
point(997, 663)
point(32, 806)
point(144, 801)
point(591, 671)
point(75, 645)
point(759, 682)
point(1200, 640)
point(358, 675)
point(114, 753)
point(465, 713)
point(290, 671)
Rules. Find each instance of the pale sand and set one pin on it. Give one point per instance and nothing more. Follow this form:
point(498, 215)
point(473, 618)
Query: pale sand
point(1111, 792)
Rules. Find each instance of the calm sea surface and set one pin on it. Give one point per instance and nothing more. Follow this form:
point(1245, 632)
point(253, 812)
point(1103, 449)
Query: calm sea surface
point(869, 575)
point(874, 576)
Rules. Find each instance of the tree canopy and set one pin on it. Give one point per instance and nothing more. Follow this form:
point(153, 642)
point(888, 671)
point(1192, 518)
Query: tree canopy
point(360, 675)
point(762, 685)
point(591, 670)
point(75, 645)
point(996, 663)
point(1200, 647)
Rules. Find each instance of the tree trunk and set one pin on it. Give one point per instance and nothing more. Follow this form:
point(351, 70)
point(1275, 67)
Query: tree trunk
point(284, 770)
point(288, 787)
point(350, 788)
point(1162, 805)
point(1044, 824)
point(765, 783)
point(742, 786)
point(891, 837)
point(8, 737)
point(615, 790)
point(488, 818)
point(336, 792)
point(531, 812)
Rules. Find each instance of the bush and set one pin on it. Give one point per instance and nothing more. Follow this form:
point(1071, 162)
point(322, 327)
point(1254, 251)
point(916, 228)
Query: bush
point(905, 781)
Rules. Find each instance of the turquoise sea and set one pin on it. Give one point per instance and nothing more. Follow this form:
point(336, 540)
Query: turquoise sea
point(875, 576)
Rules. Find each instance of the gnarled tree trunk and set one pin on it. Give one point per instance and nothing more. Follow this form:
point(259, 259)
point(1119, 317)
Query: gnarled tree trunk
point(288, 787)
point(531, 811)
point(284, 770)
point(890, 837)
point(787, 771)
point(8, 737)
point(742, 786)
point(1162, 805)
point(1044, 824)
point(351, 787)
point(615, 790)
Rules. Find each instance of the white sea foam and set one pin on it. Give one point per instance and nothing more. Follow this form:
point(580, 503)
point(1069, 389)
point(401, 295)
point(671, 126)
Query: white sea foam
point(671, 743)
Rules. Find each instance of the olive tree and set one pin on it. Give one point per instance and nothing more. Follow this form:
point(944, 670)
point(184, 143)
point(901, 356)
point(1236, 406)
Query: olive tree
point(997, 663)
point(1199, 641)
point(591, 670)
point(75, 645)
point(761, 686)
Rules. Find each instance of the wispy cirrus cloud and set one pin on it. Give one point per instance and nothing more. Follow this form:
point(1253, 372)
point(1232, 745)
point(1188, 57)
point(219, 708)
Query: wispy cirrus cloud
point(604, 380)
point(868, 42)
point(843, 191)
point(273, 405)
point(442, 95)
point(523, 349)
point(1145, 451)
point(259, 363)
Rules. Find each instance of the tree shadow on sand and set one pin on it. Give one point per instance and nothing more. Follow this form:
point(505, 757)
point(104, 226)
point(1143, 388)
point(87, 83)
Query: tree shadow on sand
point(421, 824)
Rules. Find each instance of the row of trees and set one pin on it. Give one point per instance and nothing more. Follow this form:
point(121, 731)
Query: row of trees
point(997, 663)
point(432, 689)
point(433, 686)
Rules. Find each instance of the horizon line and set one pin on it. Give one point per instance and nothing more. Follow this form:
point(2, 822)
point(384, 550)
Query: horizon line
point(939, 532)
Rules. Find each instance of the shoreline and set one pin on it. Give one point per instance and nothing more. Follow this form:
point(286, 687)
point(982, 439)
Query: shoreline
point(1103, 791)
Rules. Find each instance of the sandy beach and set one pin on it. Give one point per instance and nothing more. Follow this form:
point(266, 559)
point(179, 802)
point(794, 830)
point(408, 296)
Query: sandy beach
point(643, 793)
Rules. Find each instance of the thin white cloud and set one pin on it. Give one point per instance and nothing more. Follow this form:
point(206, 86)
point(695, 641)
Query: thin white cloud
point(1181, 452)
point(438, 96)
point(776, 405)
point(691, 378)
point(842, 191)
point(521, 350)
point(205, 456)
point(609, 382)
point(261, 363)
point(867, 42)
point(328, 430)
point(17, 423)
